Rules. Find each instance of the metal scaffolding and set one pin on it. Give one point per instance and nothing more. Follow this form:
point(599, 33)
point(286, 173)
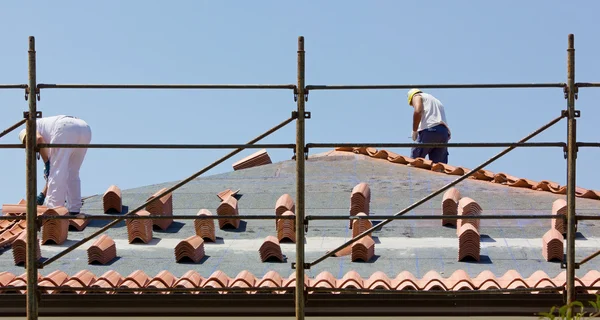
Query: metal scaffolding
point(301, 149)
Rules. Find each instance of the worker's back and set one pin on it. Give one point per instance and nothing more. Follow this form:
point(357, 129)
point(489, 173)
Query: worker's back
point(433, 112)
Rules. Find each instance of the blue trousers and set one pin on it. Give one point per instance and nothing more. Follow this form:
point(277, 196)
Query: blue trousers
point(437, 134)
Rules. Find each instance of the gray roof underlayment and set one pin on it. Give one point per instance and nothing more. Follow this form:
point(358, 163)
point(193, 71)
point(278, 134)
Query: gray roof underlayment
point(411, 245)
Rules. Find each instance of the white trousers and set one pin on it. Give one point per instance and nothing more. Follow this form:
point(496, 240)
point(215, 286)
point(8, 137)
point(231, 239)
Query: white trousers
point(63, 181)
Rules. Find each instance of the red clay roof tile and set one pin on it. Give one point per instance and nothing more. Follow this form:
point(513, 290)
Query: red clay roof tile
point(450, 205)
point(270, 250)
point(192, 248)
point(19, 249)
point(55, 230)
point(102, 251)
point(161, 207)
point(111, 200)
point(258, 158)
point(229, 207)
point(552, 245)
point(139, 229)
point(205, 228)
point(286, 228)
point(363, 249)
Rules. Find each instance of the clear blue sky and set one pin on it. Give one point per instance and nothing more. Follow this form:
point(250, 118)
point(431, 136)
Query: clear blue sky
point(371, 42)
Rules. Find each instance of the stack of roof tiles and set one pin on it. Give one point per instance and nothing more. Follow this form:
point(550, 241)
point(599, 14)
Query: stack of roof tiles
point(450, 206)
point(205, 228)
point(226, 193)
point(161, 207)
point(191, 248)
point(10, 234)
point(552, 245)
point(360, 199)
point(78, 224)
point(363, 249)
point(468, 207)
point(468, 230)
point(55, 230)
point(19, 249)
point(284, 203)
point(270, 250)
point(559, 207)
point(102, 251)
point(286, 228)
point(112, 201)
point(485, 175)
point(139, 229)
point(361, 225)
point(229, 207)
point(256, 159)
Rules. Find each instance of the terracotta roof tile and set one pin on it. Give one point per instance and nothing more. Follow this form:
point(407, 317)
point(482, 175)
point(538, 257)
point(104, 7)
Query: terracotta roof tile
point(360, 199)
point(351, 280)
point(137, 279)
point(191, 248)
point(190, 279)
point(111, 200)
point(226, 193)
point(205, 228)
point(448, 169)
point(284, 203)
point(19, 249)
point(323, 280)
point(161, 207)
point(54, 279)
point(5, 278)
point(361, 225)
point(217, 279)
point(450, 205)
point(229, 207)
point(405, 281)
point(270, 250)
point(258, 158)
point(110, 279)
point(286, 228)
point(468, 207)
point(468, 242)
point(378, 280)
point(163, 279)
point(55, 230)
point(20, 209)
point(139, 229)
point(83, 278)
point(78, 224)
point(432, 281)
point(559, 206)
point(552, 245)
point(363, 249)
point(102, 251)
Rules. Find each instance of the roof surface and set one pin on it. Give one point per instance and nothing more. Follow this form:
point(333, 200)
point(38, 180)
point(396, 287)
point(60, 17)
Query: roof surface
point(402, 245)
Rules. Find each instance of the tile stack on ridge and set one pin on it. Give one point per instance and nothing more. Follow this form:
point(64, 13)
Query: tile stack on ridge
point(361, 225)
point(192, 248)
point(112, 200)
point(139, 229)
point(81, 279)
point(19, 249)
point(226, 193)
point(161, 207)
point(468, 207)
point(78, 224)
point(205, 228)
point(286, 228)
point(468, 242)
point(432, 280)
point(229, 207)
point(284, 203)
point(270, 250)
point(360, 200)
point(450, 205)
point(55, 230)
point(552, 245)
point(102, 251)
point(559, 207)
point(256, 159)
point(363, 249)
point(485, 175)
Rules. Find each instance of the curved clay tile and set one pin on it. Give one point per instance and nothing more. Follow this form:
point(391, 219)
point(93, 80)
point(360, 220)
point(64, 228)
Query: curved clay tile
point(346, 149)
point(400, 159)
point(161, 207)
point(324, 280)
point(552, 245)
point(346, 251)
point(83, 278)
point(54, 279)
point(284, 203)
point(559, 189)
point(110, 279)
point(591, 279)
point(361, 225)
point(421, 163)
point(360, 150)
point(19, 281)
point(286, 228)
point(205, 228)
point(217, 279)
point(111, 200)
point(258, 158)
point(447, 169)
point(229, 207)
point(5, 225)
point(405, 281)
point(450, 205)
point(270, 250)
point(539, 279)
point(271, 279)
point(378, 280)
point(226, 193)
point(244, 279)
point(459, 280)
point(360, 200)
point(163, 279)
point(468, 207)
point(378, 154)
point(559, 207)
point(139, 229)
point(55, 231)
point(192, 248)
point(363, 249)
point(432, 281)
point(20, 209)
point(290, 281)
point(486, 280)
point(546, 185)
point(512, 280)
point(371, 151)
point(588, 194)
point(482, 174)
point(468, 242)
point(19, 247)
point(351, 280)
point(102, 251)
point(5, 278)
point(78, 224)
point(190, 279)
point(137, 279)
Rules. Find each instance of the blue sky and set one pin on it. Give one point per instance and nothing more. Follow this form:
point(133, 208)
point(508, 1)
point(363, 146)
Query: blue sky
point(374, 42)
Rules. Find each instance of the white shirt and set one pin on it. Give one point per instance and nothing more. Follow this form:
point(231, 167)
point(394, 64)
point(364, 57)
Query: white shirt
point(46, 127)
point(433, 113)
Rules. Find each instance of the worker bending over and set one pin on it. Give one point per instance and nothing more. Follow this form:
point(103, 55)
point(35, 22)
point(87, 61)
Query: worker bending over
point(61, 165)
point(429, 126)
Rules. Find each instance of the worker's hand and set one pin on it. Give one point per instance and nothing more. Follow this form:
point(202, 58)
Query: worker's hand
point(47, 169)
point(415, 134)
point(40, 199)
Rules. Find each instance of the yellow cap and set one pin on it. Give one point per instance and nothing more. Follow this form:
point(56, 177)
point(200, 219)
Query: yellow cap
point(411, 93)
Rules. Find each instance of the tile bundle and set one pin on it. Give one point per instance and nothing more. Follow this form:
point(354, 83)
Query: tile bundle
point(270, 250)
point(112, 201)
point(191, 249)
point(229, 207)
point(256, 159)
point(559, 207)
point(286, 228)
point(283, 204)
point(102, 251)
point(19, 249)
point(205, 228)
point(363, 249)
point(450, 205)
point(55, 230)
point(139, 229)
point(226, 193)
point(361, 225)
point(468, 207)
point(552, 245)
point(360, 199)
point(161, 207)
point(468, 242)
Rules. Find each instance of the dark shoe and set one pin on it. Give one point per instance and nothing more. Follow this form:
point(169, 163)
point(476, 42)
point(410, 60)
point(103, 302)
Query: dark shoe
point(73, 213)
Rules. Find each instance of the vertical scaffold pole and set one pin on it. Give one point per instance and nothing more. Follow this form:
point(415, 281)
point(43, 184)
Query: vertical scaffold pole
point(31, 262)
point(300, 185)
point(571, 160)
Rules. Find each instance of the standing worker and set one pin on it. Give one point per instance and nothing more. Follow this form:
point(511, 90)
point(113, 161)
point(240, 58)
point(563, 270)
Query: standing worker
point(61, 165)
point(429, 126)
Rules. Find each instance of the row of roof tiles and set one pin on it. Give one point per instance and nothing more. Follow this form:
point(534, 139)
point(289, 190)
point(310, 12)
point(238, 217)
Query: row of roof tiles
point(485, 175)
point(431, 281)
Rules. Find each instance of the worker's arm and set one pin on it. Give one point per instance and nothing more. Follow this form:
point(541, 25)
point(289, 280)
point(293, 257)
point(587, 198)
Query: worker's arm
point(417, 103)
point(43, 151)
